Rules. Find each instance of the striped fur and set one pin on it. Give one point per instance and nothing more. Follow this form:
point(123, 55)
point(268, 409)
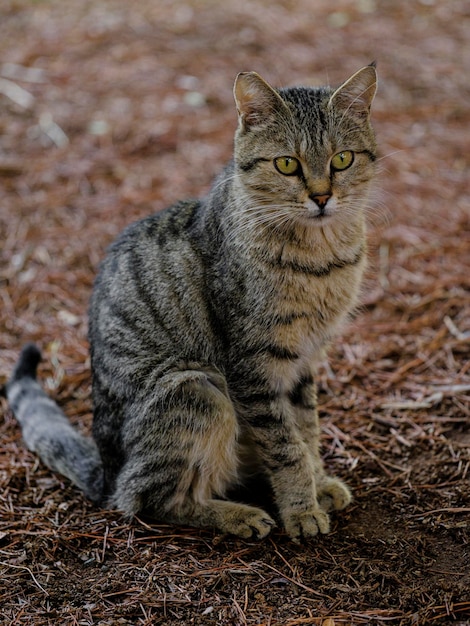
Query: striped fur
point(208, 319)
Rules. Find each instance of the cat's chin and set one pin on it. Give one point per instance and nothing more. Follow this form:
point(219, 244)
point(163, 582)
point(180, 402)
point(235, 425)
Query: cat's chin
point(317, 219)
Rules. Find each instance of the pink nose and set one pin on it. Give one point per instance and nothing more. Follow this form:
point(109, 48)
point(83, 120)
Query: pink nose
point(320, 199)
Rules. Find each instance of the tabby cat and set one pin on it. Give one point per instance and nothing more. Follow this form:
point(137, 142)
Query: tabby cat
point(208, 319)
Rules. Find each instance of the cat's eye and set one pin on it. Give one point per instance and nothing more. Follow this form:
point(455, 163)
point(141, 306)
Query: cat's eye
point(342, 160)
point(289, 166)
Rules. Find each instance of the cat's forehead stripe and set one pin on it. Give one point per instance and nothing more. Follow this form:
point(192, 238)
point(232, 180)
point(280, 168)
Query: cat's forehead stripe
point(308, 106)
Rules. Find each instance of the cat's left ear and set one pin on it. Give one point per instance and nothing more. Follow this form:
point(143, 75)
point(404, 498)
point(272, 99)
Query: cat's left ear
point(257, 102)
point(356, 94)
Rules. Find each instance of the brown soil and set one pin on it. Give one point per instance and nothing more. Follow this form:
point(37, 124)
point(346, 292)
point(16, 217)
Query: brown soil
point(110, 110)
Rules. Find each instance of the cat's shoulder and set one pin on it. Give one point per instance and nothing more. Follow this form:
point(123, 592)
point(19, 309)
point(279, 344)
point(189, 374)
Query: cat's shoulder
point(161, 227)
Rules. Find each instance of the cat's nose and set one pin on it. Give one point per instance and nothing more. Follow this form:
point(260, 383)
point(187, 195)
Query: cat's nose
point(320, 199)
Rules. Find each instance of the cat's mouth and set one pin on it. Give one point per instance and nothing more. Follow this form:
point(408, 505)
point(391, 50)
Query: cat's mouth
point(318, 215)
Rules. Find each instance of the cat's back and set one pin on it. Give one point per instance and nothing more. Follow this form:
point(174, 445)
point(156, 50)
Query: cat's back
point(149, 292)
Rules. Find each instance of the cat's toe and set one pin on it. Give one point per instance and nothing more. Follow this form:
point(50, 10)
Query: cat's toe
point(333, 494)
point(262, 528)
point(250, 523)
point(307, 524)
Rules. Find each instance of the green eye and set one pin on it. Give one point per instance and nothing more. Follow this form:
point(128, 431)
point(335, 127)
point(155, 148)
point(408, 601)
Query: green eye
point(342, 160)
point(287, 165)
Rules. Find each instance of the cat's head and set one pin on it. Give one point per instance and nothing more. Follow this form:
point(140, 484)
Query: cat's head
point(304, 154)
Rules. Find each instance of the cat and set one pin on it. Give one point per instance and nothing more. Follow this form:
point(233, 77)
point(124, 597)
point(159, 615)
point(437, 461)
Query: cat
point(208, 319)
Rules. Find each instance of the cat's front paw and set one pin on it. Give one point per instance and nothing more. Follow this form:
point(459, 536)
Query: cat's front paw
point(333, 494)
point(308, 523)
point(247, 522)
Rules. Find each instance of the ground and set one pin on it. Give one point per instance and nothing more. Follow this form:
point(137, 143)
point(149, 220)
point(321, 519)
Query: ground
point(111, 110)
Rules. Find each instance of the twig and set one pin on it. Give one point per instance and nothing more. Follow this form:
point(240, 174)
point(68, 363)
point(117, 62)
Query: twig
point(458, 509)
point(105, 540)
point(29, 572)
point(452, 389)
point(296, 582)
point(426, 403)
point(26, 74)
point(455, 331)
point(52, 130)
point(16, 94)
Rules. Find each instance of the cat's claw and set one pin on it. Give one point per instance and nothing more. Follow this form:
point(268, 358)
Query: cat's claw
point(253, 524)
point(267, 524)
point(254, 530)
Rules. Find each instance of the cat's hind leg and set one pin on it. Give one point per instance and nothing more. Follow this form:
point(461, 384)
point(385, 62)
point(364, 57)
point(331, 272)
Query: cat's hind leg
point(182, 451)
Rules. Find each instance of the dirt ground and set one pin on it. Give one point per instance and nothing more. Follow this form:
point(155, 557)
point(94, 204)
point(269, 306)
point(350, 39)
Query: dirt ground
point(110, 110)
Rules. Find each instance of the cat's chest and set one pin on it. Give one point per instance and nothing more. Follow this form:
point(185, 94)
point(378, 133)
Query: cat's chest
point(304, 324)
point(300, 306)
point(306, 295)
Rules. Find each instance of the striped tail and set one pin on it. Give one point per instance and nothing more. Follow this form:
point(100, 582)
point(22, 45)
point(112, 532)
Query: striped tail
point(48, 432)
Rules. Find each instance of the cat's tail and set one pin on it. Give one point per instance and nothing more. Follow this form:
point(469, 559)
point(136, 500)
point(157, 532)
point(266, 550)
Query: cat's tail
point(48, 432)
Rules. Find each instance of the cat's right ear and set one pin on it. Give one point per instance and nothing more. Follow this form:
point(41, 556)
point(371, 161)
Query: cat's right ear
point(357, 93)
point(257, 102)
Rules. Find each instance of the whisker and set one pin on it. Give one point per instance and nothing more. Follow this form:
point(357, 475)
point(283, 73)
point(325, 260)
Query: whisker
point(390, 154)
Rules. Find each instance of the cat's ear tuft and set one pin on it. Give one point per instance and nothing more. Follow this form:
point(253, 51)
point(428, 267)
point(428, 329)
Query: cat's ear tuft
point(257, 102)
point(356, 94)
